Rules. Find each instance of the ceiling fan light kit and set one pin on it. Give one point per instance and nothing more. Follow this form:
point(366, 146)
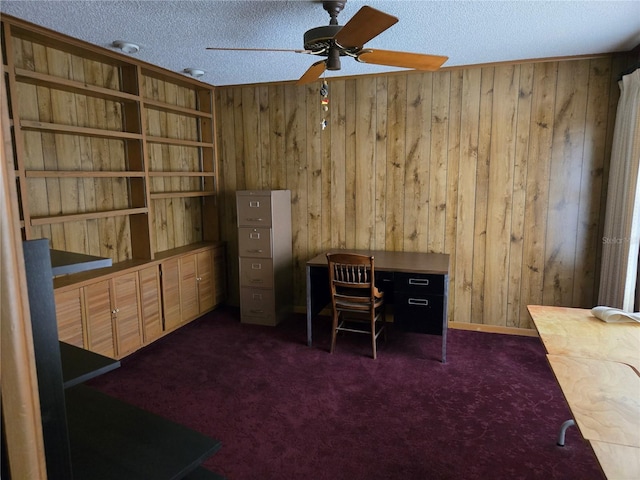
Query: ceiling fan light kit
point(334, 41)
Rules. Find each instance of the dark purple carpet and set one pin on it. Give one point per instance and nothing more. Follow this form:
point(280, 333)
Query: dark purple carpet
point(286, 411)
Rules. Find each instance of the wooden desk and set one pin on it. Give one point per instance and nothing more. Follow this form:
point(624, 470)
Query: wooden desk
point(416, 283)
point(596, 365)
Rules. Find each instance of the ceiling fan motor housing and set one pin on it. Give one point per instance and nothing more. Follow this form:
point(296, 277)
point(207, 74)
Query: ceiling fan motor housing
point(320, 38)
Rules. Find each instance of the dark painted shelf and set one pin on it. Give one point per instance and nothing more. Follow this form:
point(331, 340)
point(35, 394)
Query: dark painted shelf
point(79, 365)
point(63, 263)
point(113, 440)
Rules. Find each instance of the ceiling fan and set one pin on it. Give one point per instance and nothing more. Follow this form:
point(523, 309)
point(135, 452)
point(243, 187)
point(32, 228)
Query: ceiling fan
point(334, 41)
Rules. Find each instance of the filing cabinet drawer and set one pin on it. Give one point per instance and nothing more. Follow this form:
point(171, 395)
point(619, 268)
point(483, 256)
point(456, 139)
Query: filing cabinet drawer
point(254, 242)
point(254, 210)
point(256, 272)
point(418, 313)
point(422, 283)
point(257, 306)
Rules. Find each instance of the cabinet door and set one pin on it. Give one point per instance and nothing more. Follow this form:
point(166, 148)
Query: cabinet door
point(219, 275)
point(189, 287)
point(100, 335)
point(127, 316)
point(150, 305)
point(171, 293)
point(206, 299)
point(69, 316)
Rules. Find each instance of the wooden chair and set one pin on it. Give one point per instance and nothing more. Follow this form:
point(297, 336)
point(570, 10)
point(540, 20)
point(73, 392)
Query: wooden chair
point(357, 304)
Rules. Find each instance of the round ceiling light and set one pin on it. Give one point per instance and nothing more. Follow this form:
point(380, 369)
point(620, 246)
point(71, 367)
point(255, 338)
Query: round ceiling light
point(194, 72)
point(126, 47)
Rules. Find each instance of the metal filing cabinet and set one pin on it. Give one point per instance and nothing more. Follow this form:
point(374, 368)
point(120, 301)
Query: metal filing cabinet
point(265, 255)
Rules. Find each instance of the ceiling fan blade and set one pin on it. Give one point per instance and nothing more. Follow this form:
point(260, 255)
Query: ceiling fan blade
point(363, 26)
point(416, 61)
point(312, 73)
point(258, 49)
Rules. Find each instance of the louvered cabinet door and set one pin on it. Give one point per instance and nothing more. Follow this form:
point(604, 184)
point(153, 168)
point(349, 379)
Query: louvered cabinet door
point(206, 298)
point(189, 287)
point(127, 313)
point(150, 303)
point(99, 321)
point(69, 306)
point(171, 293)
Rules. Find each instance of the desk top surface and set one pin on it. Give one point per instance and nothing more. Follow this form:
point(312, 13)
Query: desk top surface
point(411, 262)
point(576, 332)
point(604, 398)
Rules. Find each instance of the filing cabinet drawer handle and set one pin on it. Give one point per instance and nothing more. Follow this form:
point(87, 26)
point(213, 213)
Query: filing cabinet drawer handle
point(256, 280)
point(418, 301)
point(257, 250)
point(254, 203)
point(419, 281)
point(254, 220)
point(256, 266)
point(254, 236)
point(257, 310)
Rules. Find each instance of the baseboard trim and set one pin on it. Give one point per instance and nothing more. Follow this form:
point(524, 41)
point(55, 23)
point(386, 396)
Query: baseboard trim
point(476, 327)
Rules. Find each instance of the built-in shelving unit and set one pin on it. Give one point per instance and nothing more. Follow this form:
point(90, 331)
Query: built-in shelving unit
point(113, 157)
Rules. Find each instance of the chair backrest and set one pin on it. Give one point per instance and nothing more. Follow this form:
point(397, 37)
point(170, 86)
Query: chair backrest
point(352, 281)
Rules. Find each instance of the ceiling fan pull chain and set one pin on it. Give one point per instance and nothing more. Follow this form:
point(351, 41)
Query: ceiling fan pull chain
point(324, 101)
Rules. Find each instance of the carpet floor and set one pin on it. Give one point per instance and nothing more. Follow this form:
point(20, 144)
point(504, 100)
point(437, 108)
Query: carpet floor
point(284, 410)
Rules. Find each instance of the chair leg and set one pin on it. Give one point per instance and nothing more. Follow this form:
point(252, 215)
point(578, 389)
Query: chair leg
point(334, 331)
point(373, 335)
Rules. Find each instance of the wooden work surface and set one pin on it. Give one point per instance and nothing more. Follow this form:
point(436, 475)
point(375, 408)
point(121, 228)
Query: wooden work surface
point(410, 262)
point(619, 462)
point(597, 366)
point(604, 398)
point(576, 332)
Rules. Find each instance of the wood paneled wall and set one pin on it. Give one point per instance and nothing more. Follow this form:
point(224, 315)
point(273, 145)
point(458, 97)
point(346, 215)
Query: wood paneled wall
point(502, 167)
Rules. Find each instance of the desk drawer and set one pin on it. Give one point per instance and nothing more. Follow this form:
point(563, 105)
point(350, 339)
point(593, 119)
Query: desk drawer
point(418, 313)
point(420, 283)
point(254, 242)
point(254, 210)
point(256, 272)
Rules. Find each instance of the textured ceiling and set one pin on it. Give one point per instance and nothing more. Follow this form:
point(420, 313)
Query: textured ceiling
point(174, 34)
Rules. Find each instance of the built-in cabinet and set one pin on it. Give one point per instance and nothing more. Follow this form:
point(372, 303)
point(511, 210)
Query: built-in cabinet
point(265, 255)
point(192, 284)
point(117, 313)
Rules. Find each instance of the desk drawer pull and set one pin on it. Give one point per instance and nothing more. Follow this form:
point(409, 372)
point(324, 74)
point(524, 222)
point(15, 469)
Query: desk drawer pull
point(418, 301)
point(419, 281)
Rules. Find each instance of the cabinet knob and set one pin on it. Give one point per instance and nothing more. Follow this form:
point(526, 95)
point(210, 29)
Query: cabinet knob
point(113, 311)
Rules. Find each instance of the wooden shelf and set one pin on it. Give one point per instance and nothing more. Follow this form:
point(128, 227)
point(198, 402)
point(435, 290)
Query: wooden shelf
point(198, 193)
point(182, 174)
point(74, 217)
point(81, 174)
point(179, 142)
point(165, 107)
point(74, 130)
point(42, 79)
